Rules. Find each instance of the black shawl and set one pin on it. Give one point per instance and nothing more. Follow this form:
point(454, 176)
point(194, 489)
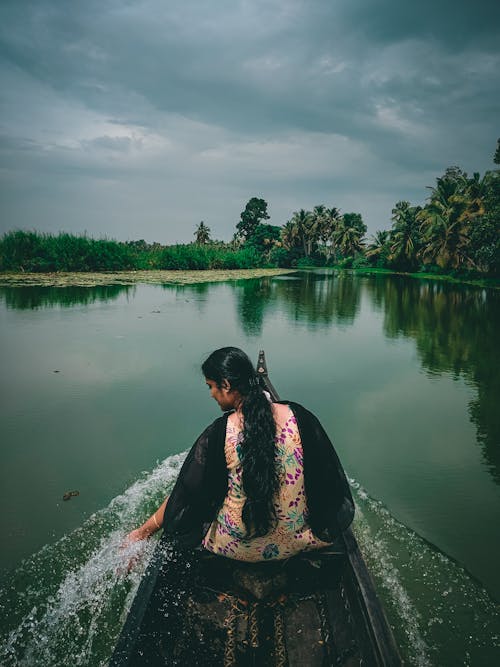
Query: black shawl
point(201, 486)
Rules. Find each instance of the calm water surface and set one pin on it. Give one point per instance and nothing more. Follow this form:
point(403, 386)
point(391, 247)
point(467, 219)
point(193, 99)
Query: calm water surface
point(101, 391)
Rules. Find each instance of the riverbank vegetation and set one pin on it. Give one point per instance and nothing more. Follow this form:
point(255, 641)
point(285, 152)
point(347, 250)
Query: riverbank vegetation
point(456, 233)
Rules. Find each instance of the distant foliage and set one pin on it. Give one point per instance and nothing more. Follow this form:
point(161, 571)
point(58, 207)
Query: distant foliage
point(202, 257)
point(36, 252)
point(323, 235)
point(457, 232)
point(255, 211)
point(202, 234)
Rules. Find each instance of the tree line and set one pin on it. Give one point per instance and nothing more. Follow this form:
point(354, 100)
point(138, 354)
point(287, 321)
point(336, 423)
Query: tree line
point(456, 232)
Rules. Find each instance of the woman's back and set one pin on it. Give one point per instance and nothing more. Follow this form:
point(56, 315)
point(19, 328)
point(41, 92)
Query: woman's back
point(291, 534)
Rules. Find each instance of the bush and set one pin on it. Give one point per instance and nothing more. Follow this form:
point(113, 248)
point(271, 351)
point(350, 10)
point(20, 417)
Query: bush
point(345, 263)
point(430, 268)
point(246, 258)
point(195, 257)
point(184, 257)
point(19, 248)
point(306, 262)
point(360, 262)
point(280, 257)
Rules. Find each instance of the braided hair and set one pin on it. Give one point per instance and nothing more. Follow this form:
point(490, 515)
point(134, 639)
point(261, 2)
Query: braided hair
point(258, 450)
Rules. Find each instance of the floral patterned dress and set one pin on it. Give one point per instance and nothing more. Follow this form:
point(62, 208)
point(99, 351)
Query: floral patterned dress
point(292, 533)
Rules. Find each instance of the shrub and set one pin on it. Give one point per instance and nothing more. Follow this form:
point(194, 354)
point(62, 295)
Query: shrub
point(345, 263)
point(280, 257)
point(360, 261)
point(306, 262)
point(246, 258)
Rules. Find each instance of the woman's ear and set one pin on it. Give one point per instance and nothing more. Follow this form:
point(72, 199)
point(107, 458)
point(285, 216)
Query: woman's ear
point(225, 385)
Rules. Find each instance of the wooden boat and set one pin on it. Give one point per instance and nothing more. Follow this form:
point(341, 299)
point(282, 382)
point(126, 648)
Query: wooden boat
point(316, 609)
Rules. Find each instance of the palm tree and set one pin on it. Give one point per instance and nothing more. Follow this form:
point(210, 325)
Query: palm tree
point(306, 229)
point(445, 222)
point(328, 220)
point(348, 239)
point(405, 233)
point(379, 243)
point(477, 189)
point(202, 234)
point(290, 235)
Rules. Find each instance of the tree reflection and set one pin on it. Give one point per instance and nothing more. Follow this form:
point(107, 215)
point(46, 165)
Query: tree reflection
point(315, 298)
point(320, 298)
point(195, 293)
point(456, 331)
point(252, 298)
point(31, 298)
point(194, 289)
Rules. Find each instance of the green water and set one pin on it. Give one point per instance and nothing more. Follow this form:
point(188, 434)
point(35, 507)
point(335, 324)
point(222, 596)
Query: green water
point(403, 374)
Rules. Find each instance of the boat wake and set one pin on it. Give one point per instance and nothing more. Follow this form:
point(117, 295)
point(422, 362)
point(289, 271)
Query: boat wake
point(439, 613)
point(67, 603)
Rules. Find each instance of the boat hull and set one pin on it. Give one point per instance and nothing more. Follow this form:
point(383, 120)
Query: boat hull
point(210, 610)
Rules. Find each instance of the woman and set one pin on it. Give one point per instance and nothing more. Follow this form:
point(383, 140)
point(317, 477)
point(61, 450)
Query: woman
point(263, 482)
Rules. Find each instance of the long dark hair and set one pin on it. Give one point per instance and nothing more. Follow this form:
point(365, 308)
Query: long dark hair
point(258, 449)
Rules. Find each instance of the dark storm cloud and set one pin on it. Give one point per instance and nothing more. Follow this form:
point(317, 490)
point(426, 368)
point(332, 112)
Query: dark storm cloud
point(348, 103)
point(454, 25)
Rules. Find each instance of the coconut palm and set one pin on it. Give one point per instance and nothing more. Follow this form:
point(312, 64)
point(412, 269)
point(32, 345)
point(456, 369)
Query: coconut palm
point(202, 234)
point(477, 190)
point(306, 229)
point(328, 220)
point(405, 233)
point(348, 239)
point(378, 243)
point(445, 222)
point(290, 235)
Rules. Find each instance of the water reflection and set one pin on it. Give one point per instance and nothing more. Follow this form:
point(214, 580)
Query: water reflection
point(32, 298)
point(198, 289)
point(455, 330)
point(320, 298)
point(312, 299)
point(196, 293)
point(253, 297)
point(454, 327)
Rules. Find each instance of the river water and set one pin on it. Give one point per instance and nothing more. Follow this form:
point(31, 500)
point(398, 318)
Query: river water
point(101, 393)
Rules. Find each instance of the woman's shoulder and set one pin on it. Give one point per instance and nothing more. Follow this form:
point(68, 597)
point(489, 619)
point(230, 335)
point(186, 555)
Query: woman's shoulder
point(281, 411)
point(297, 408)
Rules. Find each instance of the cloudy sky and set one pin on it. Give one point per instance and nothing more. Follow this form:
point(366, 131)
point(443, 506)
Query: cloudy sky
point(137, 119)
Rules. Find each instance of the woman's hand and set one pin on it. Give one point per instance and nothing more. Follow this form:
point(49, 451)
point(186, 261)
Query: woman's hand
point(135, 536)
point(131, 549)
point(149, 527)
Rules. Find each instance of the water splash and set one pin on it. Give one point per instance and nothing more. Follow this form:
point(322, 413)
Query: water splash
point(62, 605)
point(67, 603)
point(439, 613)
